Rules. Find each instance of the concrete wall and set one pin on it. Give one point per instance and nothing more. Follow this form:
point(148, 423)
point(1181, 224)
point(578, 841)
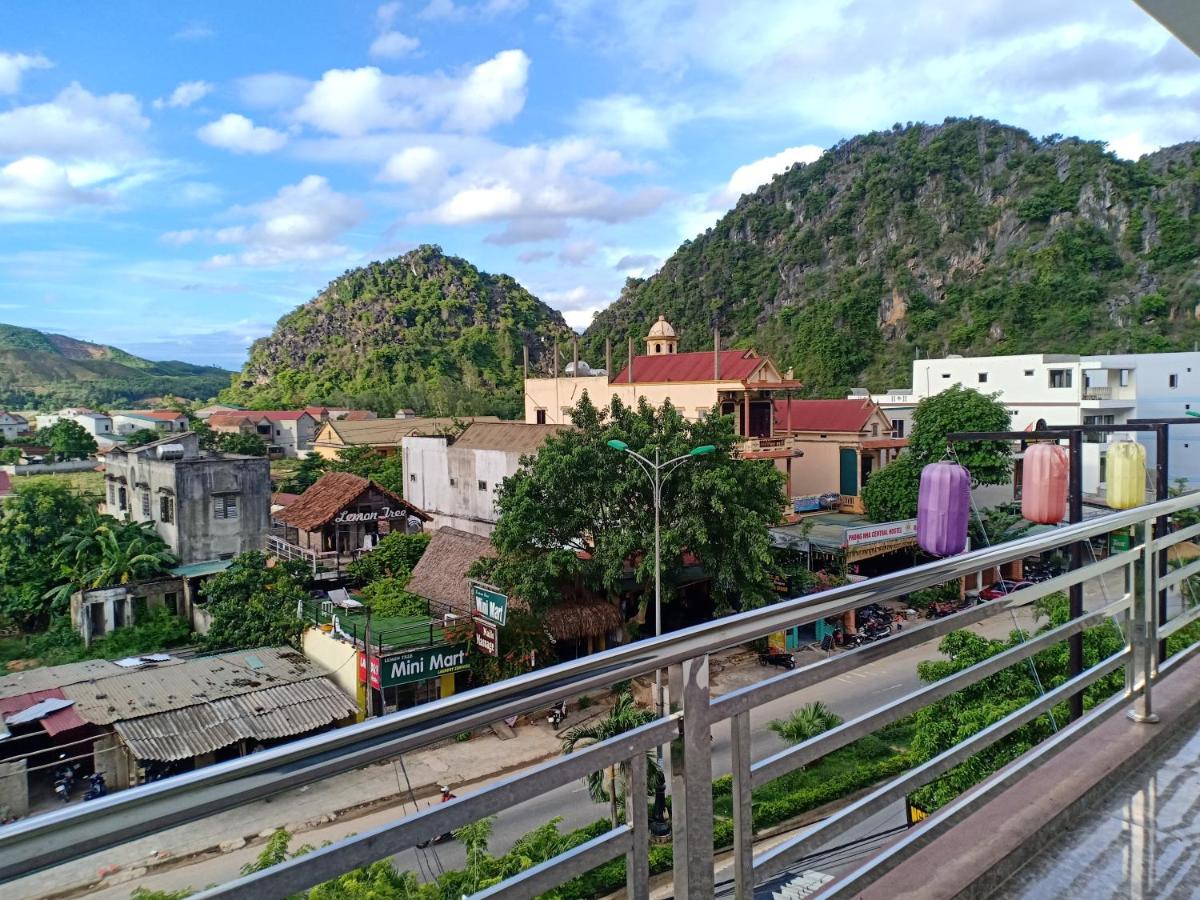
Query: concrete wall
point(445, 481)
point(71, 465)
point(14, 789)
point(339, 657)
point(95, 613)
point(557, 396)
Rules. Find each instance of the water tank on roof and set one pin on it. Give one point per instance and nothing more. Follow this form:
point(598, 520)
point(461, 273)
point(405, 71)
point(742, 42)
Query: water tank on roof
point(170, 451)
point(583, 371)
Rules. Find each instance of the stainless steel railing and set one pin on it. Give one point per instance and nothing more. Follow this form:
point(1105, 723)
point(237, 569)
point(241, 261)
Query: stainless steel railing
point(58, 837)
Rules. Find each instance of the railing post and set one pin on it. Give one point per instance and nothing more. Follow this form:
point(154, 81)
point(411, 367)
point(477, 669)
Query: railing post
point(1144, 628)
point(691, 776)
point(743, 814)
point(637, 815)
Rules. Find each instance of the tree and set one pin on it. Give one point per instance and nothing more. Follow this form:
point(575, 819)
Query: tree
point(365, 462)
point(581, 510)
point(67, 439)
point(253, 604)
point(244, 444)
point(605, 787)
point(10, 456)
point(101, 551)
point(305, 475)
point(891, 493)
point(393, 557)
point(387, 598)
point(142, 437)
point(31, 523)
point(807, 722)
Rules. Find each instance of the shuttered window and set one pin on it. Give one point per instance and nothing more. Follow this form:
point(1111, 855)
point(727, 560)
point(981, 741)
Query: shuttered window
point(225, 506)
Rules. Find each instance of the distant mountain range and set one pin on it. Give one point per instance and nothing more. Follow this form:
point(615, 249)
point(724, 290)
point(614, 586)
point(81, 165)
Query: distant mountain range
point(40, 370)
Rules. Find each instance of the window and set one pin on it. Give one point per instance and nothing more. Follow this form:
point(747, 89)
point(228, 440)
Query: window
point(146, 514)
point(541, 417)
point(171, 601)
point(1172, 380)
point(166, 508)
point(225, 506)
point(874, 429)
point(898, 428)
point(412, 476)
point(1124, 378)
point(122, 498)
point(483, 485)
point(112, 494)
point(1029, 373)
point(702, 413)
point(945, 374)
point(983, 377)
point(1098, 420)
point(1060, 378)
point(453, 482)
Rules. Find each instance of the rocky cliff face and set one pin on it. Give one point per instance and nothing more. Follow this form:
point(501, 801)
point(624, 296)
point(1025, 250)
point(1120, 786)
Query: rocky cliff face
point(968, 237)
point(424, 330)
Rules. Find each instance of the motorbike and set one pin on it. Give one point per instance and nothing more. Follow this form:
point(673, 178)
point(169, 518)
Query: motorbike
point(441, 838)
point(775, 658)
point(64, 779)
point(557, 714)
point(98, 789)
point(939, 609)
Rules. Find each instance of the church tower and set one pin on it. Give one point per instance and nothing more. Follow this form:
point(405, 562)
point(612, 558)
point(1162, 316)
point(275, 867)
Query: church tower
point(661, 339)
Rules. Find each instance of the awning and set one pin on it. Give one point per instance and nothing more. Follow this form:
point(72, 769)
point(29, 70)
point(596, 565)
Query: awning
point(49, 708)
point(208, 567)
point(278, 712)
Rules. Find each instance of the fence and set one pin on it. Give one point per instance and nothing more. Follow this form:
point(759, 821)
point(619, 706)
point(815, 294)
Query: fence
point(55, 838)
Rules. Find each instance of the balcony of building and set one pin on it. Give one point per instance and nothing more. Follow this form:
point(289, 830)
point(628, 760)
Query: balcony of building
point(1005, 835)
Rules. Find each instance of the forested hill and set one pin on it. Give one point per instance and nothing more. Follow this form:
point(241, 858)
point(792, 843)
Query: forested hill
point(48, 370)
point(425, 331)
point(968, 237)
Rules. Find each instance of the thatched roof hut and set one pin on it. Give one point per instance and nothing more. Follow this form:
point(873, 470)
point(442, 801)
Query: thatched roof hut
point(441, 577)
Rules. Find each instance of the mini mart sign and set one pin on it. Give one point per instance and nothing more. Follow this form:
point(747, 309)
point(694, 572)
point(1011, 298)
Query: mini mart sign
point(489, 603)
point(417, 665)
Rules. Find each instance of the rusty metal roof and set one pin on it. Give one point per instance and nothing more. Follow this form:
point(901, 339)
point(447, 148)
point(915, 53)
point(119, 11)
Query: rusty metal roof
point(277, 712)
point(158, 688)
point(515, 437)
point(51, 677)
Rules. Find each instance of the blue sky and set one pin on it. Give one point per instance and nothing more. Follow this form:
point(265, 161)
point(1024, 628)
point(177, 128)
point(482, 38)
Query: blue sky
point(176, 176)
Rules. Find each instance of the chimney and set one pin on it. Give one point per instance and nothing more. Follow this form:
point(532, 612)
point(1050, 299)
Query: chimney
point(556, 357)
point(630, 369)
point(575, 355)
point(716, 354)
point(525, 359)
point(608, 358)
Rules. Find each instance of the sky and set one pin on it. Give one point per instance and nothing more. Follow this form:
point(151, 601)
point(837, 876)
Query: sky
point(176, 176)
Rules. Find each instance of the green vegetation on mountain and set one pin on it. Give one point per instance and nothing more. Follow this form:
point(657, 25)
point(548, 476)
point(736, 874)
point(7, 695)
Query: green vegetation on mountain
point(51, 370)
point(968, 237)
point(424, 331)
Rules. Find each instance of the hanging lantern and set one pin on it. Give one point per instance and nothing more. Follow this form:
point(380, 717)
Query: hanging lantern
point(1126, 474)
point(943, 507)
point(1044, 483)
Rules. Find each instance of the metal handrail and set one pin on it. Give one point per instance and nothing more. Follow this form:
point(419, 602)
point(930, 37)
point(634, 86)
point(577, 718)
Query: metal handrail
point(77, 831)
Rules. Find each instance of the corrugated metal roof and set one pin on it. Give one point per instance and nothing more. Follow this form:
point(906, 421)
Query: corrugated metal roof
point(158, 688)
point(736, 365)
point(51, 677)
point(390, 432)
point(517, 437)
point(278, 712)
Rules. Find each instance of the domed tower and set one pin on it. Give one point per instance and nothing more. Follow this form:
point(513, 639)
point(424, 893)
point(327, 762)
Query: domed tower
point(662, 338)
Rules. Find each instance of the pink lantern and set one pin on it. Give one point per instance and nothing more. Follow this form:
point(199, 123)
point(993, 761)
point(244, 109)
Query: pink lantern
point(943, 507)
point(1044, 483)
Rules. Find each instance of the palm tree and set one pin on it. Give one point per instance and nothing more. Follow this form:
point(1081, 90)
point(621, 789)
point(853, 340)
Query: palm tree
point(101, 551)
point(806, 722)
point(604, 787)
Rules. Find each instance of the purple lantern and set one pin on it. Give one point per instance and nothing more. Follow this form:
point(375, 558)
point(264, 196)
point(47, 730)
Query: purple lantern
point(943, 508)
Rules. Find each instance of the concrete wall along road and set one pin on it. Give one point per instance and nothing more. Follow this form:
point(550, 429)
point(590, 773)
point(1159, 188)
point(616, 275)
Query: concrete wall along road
point(338, 656)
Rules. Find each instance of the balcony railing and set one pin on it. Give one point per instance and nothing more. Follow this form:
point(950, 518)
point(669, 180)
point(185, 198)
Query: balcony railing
point(47, 840)
point(318, 562)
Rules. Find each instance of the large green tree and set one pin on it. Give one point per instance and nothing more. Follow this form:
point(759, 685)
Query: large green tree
point(253, 604)
point(31, 523)
point(891, 493)
point(67, 440)
point(582, 510)
point(387, 471)
point(100, 551)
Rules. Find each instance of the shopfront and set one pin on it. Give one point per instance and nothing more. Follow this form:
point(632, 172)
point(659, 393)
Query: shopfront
point(406, 679)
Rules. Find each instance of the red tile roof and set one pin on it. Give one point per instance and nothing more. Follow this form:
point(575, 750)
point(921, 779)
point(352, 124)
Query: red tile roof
point(736, 365)
point(357, 415)
point(333, 492)
point(280, 415)
point(283, 498)
point(823, 415)
point(166, 415)
point(224, 420)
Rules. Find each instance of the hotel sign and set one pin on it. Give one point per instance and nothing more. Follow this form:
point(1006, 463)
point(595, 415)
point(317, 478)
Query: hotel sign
point(383, 514)
point(417, 665)
point(884, 531)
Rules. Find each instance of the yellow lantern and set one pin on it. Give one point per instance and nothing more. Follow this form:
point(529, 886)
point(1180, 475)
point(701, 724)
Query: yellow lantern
point(1126, 475)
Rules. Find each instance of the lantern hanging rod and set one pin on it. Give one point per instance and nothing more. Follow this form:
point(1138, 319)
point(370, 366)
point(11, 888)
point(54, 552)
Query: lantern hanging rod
point(1051, 433)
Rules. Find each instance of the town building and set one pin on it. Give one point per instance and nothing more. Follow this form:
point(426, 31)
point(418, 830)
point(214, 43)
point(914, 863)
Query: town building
point(286, 433)
point(12, 425)
point(843, 442)
point(140, 719)
point(455, 479)
point(169, 421)
point(97, 424)
point(337, 414)
point(206, 412)
point(338, 519)
point(385, 436)
point(206, 506)
point(101, 611)
point(1066, 389)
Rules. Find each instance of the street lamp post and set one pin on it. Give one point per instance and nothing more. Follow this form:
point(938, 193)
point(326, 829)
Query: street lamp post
point(657, 472)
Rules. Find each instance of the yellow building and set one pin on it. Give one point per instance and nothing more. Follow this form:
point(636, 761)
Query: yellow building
point(385, 436)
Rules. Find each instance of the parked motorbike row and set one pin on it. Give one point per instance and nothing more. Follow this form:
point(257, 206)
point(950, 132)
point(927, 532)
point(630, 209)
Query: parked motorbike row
point(67, 773)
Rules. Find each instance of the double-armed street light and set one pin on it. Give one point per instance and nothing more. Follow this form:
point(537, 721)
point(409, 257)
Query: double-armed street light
point(657, 472)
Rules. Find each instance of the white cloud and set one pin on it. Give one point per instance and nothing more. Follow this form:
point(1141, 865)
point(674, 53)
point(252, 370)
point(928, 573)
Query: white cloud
point(386, 15)
point(627, 121)
point(445, 10)
point(419, 164)
point(302, 222)
point(637, 265)
point(272, 90)
point(527, 231)
point(355, 102)
point(479, 204)
point(76, 124)
point(197, 31)
point(749, 177)
point(393, 45)
point(12, 65)
point(449, 11)
point(578, 305)
point(577, 253)
point(34, 184)
point(1131, 145)
point(187, 93)
point(239, 134)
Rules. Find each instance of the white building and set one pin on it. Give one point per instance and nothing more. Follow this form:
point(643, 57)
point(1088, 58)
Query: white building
point(455, 481)
point(98, 425)
point(1063, 389)
point(12, 425)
